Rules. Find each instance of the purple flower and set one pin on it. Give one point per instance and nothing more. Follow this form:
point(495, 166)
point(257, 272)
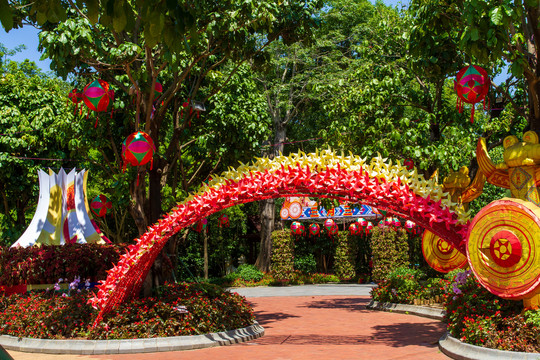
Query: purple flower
point(456, 290)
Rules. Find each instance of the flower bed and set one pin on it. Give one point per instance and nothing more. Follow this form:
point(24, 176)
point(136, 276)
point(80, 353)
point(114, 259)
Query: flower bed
point(477, 317)
point(179, 309)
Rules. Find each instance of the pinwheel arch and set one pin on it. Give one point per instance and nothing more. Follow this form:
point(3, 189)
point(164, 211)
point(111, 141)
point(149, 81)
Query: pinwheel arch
point(323, 174)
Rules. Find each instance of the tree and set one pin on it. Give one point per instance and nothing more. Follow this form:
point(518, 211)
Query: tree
point(493, 34)
point(34, 120)
point(131, 45)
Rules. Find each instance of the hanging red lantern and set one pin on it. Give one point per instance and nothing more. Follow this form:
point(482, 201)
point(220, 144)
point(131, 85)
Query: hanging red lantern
point(369, 227)
point(331, 227)
point(98, 96)
point(395, 222)
point(361, 222)
point(389, 221)
point(138, 149)
point(409, 164)
point(471, 85)
point(223, 220)
point(76, 97)
point(201, 225)
point(355, 229)
point(297, 229)
point(100, 206)
point(410, 226)
point(314, 229)
point(158, 89)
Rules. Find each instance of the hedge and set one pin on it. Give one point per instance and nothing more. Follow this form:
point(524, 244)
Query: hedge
point(48, 263)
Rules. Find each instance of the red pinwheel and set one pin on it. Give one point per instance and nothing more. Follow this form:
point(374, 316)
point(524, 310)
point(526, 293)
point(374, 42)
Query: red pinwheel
point(98, 96)
point(100, 206)
point(472, 85)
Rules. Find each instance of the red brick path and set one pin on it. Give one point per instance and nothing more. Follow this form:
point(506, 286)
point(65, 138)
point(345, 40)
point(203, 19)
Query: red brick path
point(323, 327)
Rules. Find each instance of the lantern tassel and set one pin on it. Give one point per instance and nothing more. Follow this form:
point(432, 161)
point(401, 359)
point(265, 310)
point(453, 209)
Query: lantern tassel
point(472, 114)
point(97, 119)
point(137, 180)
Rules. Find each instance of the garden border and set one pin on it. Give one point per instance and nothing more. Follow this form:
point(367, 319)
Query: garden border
point(432, 313)
point(448, 344)
point(131, 346)
point(458, 350)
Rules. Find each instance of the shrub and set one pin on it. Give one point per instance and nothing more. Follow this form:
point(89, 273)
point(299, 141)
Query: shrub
point(248, 272)
point(306, 264)
point(345, 257)
point(389, 249)
point(47, 263)
point(282, 255)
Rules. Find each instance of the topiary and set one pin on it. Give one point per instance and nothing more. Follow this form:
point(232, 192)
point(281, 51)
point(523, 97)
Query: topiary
point(282, 255)
point(390, 251)
point(345, 257)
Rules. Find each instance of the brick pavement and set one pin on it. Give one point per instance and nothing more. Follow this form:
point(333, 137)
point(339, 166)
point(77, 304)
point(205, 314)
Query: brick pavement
point(313, 327)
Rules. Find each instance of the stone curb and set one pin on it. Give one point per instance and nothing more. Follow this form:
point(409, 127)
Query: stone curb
point(458, 350)
point(423, 311)
point(131, 346)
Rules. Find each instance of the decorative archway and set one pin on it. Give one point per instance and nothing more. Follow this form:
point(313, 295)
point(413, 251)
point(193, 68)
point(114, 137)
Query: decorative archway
point(388, 187)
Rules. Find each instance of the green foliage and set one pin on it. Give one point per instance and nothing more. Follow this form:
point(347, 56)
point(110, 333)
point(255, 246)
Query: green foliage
point(282, 255)
point(404, 285)
point(34, 121)
point(249, 272)
point(345, 257)
point(390, 251)
point(305, 263)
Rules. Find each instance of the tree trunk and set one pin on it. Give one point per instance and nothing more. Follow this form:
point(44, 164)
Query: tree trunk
point(267, 226)
point(205, 244)
point(267, 207)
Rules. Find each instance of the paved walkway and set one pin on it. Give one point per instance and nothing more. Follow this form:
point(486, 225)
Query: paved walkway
point(301, 324)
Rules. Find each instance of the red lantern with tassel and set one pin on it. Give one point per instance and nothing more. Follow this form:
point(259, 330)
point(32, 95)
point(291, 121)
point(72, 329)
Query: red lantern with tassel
point(471, 85)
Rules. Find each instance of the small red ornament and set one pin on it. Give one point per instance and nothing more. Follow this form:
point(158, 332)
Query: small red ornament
point(297, 229)
point(355, 229)
point(76, 97)
point(314, 229)
point(101, 205)
point(98, 97)
point(409, 164)
point(472, 85)
point(223, 220)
